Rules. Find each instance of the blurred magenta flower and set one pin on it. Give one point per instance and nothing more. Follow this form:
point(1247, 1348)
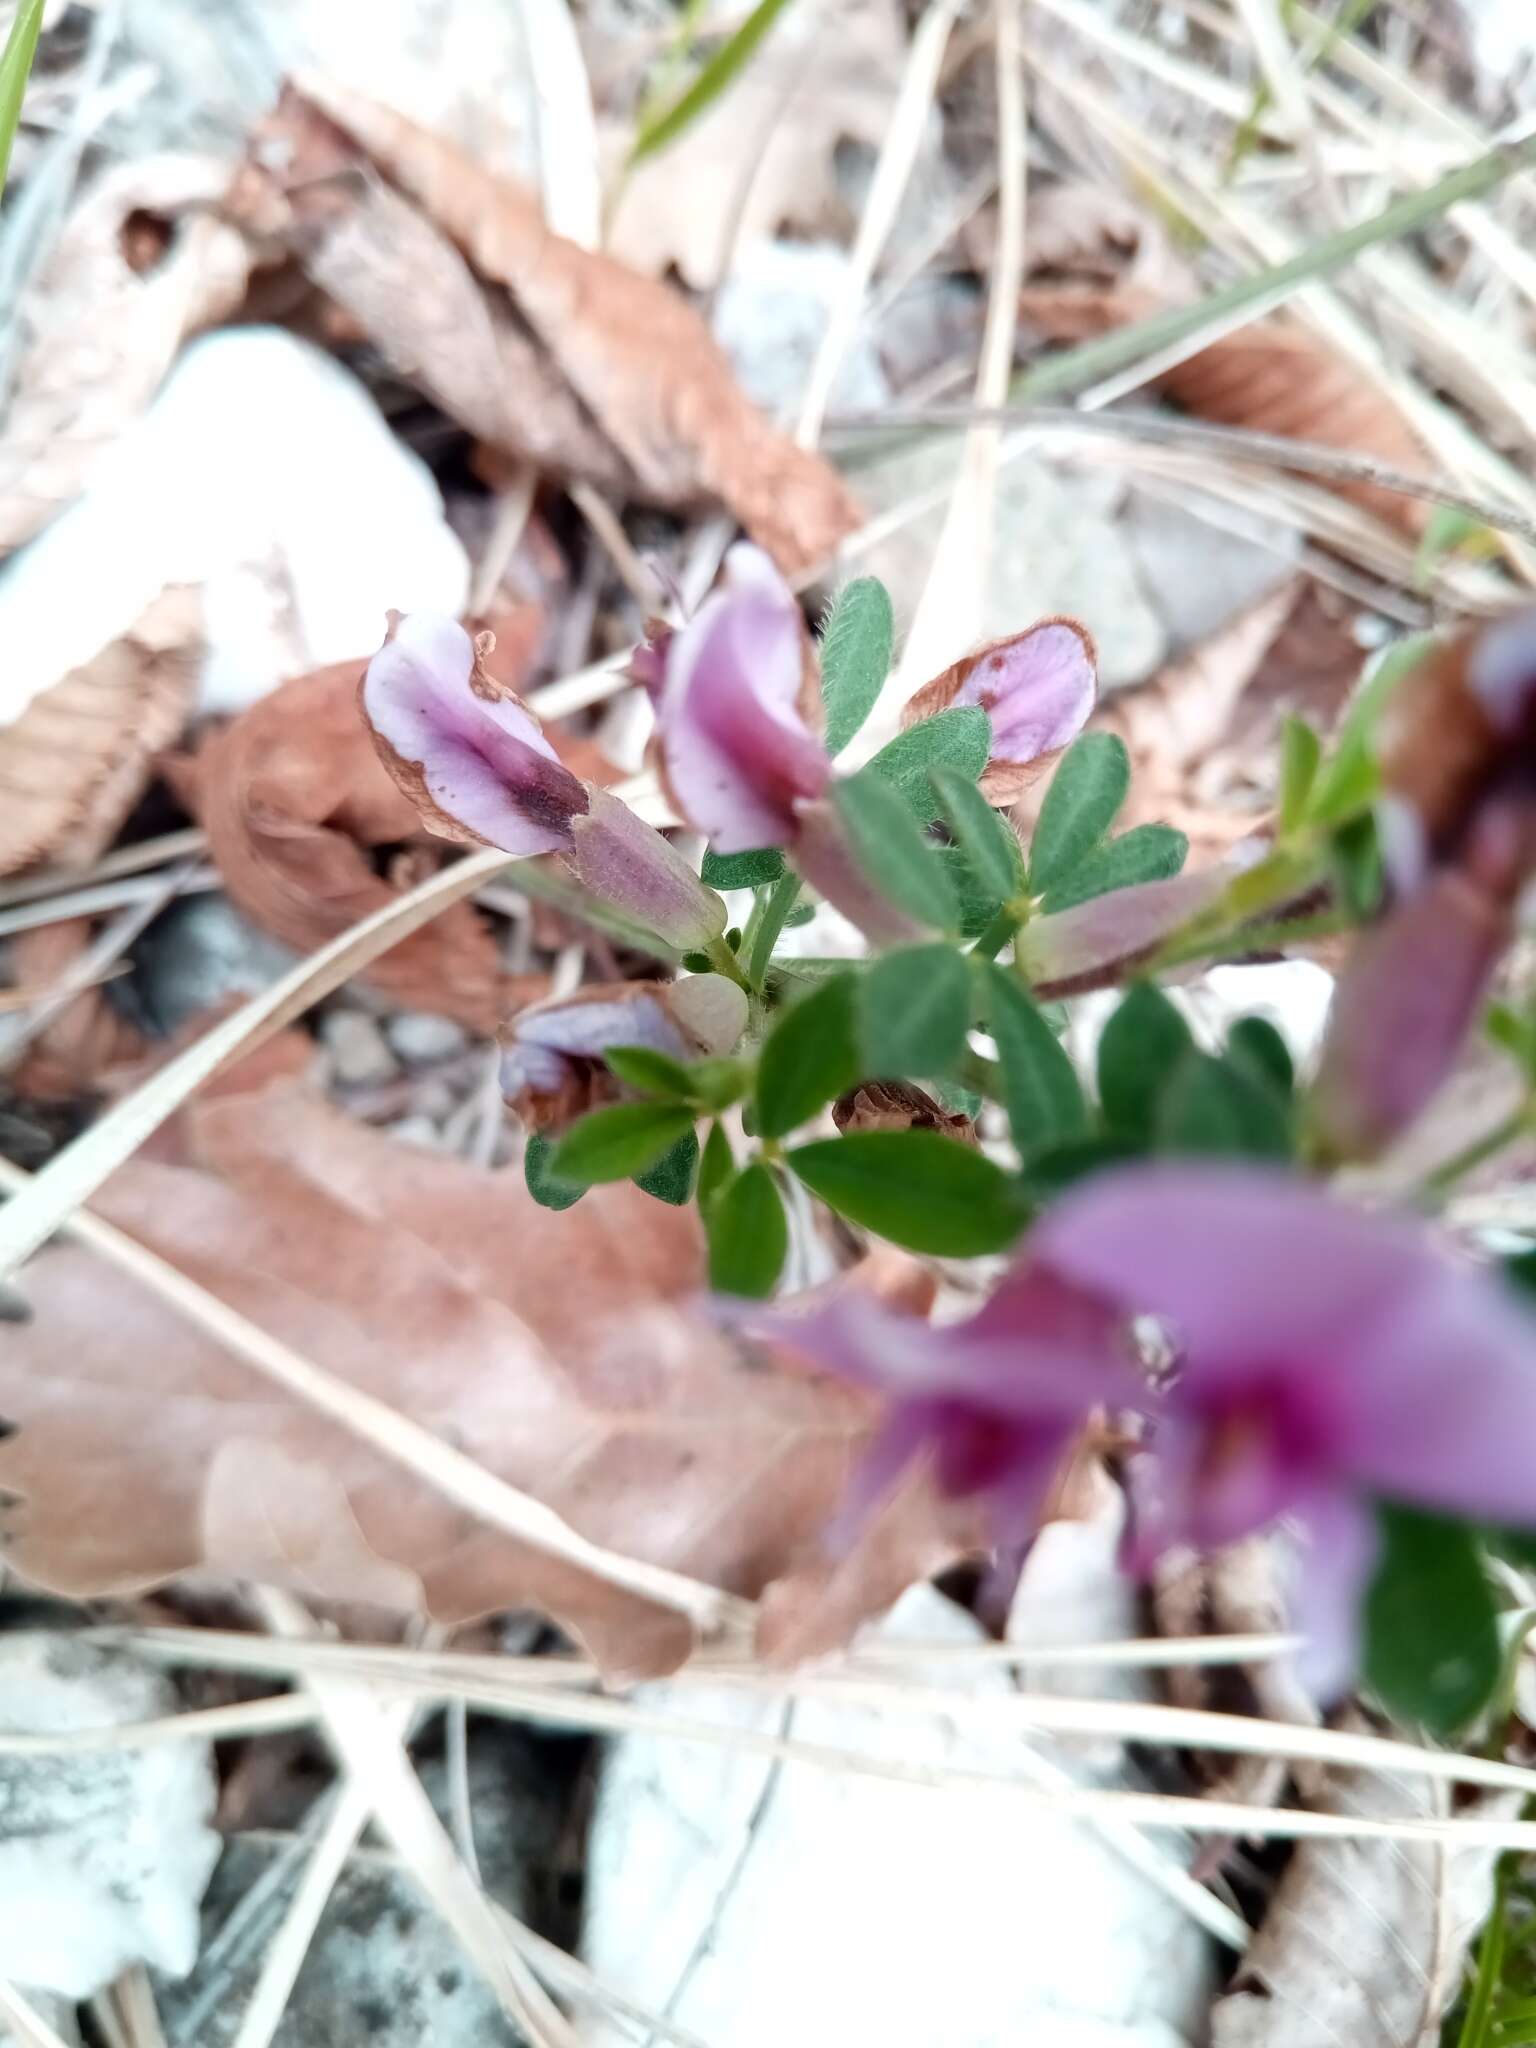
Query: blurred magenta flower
point(995, 1401)
point(1038, 689)
point(1324, 1358)
point(1456, 826)
point(472, 759)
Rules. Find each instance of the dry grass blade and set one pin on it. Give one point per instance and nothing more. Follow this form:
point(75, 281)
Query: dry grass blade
point(570, 179)
point(893, 168)
point(393, 1435)
point(950, 615)
point(482, 1679)
point(28, 2024)
point(42, 1206)
point(366, 1736)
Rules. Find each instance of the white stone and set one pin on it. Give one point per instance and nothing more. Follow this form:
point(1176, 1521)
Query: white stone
point(759, 1903)
point(265, 474)
point(359, 1056)
point(770, 316)
point(104, 1853)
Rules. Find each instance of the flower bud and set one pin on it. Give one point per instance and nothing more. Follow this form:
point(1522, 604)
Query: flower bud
point(552, 1061)
point(1036, 687)
point(622, 861)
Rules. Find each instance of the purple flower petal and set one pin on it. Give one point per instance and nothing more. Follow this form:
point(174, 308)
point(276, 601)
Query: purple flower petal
point(1252, 1269)
point(1403, 1009)
point(736, 751)
point(1336, 1546)
point(476, 766)
point(1037, 688)
point(1451, 1419)
point(1501, 669)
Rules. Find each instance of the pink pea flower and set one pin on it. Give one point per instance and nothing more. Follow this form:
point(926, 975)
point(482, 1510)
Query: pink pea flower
point(472, 759)
point(738, 711)
point(738, 751)
point(1324, 1358)
point(1037, 688)
point(995, 1401)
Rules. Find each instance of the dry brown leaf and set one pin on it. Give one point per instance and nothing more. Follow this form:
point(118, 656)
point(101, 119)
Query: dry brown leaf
point(1364, 1941)
point(140, 265)
point(292, 798)
point(76, 761)
point(633, 353)
point(1237, 1591)
point(89, 1037)
point(555, 1349)
point(1274, 376)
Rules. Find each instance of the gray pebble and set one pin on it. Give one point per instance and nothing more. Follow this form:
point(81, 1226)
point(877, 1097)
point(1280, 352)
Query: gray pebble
point(359, 1056)
point(422, 1038)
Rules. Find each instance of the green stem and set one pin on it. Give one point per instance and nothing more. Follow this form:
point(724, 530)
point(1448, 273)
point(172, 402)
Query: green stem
point(724, 961)
point(1088, 364)
point(768, 918)
point(998, 933)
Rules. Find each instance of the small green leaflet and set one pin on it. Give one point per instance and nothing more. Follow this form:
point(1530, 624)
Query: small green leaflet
point(917, 1188)
point(809, 1058)
point(546, 1188)
point(1256, 1046)
point(716, 1165)
point(1431, 1631)
point(671, 1178)
point(616, 1144)
point(959, 738)
point(1451, 531)
point(742, 870)
point(988, 843)
point(748, 1234)
point(1301, 753)
point(890, 846)
point(1147, 853)
point(1214, 1108)
point(1086, 791)
point(1049, 1174)
point(1041, 1091)
point(1140, 1049)
point(914, 1008)
point(653, 1073)
point(855, 657)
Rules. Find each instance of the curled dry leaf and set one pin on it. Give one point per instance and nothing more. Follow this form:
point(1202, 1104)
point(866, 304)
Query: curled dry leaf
point(554, 1349)
point(293, 798)
point(1364, 1941)
point(898, 1106)
point(1237, 1591)
point(75, 762)
point(633, 357)
point(140, 265)
point(1275, 376)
